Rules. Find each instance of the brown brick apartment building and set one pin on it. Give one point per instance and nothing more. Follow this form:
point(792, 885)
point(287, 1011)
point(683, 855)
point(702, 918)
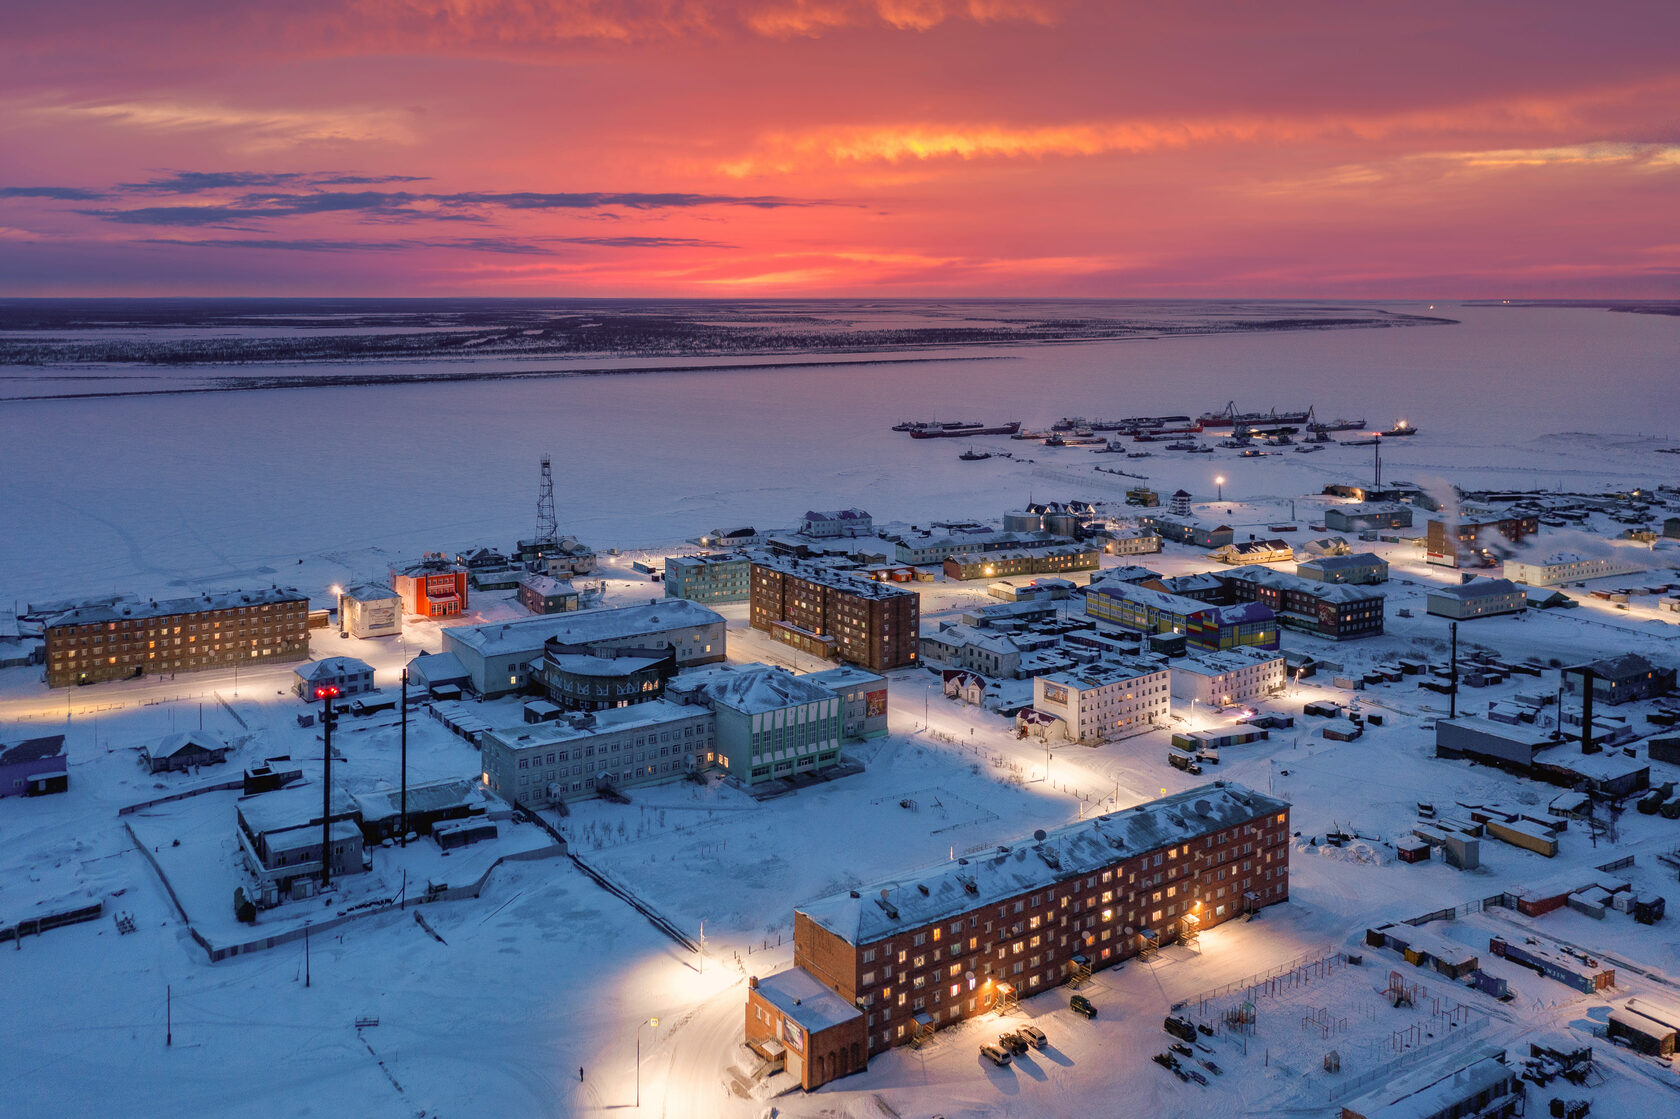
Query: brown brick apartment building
point(837, 615)
point(1452, 543)
point(918, 953)
point(1335, 610)
point(115, 641)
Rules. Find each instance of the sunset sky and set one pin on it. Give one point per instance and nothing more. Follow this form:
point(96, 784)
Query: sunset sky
point(840, 147)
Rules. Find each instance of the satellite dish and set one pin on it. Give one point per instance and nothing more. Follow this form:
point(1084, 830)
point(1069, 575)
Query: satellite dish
point(1039, 835)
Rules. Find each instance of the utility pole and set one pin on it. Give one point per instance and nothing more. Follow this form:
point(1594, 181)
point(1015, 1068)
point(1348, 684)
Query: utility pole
point(168, 1015)
point(325, 694)
point(404, 805)
point(306, 955)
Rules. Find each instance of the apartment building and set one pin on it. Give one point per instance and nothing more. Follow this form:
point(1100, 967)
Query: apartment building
point(1105, 701)
point(836, 615)
point(120, 639)
point(938, 946)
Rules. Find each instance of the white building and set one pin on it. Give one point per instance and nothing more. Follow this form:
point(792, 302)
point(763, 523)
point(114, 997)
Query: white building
point(370, 610)
point(1130, 542)
point(1107, 700)
point(349, 675)
point(977, 650)
point(1225, 676)
point(1566, 567)
point(1479, 598)
point(498, 657)
point(838, 522)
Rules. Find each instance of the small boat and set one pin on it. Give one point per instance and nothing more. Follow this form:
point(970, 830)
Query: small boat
point(974, 456)
point(1306, 450)
point(1140, 454)
point(1337, 424)
point(1198, 449)
point(1401, 428)
point(1183, 445)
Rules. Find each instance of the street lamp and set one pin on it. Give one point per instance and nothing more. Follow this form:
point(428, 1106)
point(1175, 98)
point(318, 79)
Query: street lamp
point(338, 591)
point(1220, 482)
point(654, 1022)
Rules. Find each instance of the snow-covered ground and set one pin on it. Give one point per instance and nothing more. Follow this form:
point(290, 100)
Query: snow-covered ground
point(545, 971)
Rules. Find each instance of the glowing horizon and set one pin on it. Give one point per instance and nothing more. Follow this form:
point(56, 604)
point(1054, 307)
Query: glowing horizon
point(866, 148)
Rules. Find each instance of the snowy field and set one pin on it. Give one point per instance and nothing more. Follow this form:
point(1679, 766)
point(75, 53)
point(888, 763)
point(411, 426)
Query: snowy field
point(546, 972)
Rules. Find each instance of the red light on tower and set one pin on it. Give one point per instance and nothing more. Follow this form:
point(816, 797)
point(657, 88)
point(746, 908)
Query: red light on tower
point(329, 691)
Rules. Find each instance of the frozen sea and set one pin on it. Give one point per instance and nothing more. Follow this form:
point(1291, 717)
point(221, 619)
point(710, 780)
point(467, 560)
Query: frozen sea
point(202, 481)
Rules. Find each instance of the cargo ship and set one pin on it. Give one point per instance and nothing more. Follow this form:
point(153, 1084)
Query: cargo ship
point(960, 431)
point(934, 425)
point(1401, 428)
point(1230, 417)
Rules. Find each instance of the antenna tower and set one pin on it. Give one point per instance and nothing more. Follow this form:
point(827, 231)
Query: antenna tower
point(548, 526)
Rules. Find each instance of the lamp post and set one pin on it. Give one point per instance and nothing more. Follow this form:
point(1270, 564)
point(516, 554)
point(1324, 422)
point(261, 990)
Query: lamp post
point(654, 1022)
point(339, 592)
point(326, 694)
point(1220, 482)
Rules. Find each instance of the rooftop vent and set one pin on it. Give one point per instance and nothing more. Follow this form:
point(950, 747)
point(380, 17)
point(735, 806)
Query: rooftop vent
point(922, 886)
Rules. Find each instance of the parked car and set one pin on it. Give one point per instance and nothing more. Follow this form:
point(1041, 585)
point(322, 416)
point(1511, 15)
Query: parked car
point(1181, 1028)
point(992, 1053)
point(1013, 1042)
point(1035, 1036)
point(1079, 1004)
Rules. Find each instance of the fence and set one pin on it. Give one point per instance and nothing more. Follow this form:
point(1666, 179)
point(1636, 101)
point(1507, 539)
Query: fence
point(220, 786)
point(1370, 1078)
point(1263, 983)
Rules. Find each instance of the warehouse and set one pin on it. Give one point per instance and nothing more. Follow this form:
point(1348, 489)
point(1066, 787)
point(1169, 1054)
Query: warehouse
point(1483, 740)
point(1648, 1027)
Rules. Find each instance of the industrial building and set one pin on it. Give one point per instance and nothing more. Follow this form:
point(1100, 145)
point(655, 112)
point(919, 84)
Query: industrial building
point(1066, 519)
point(119, 639)
point(1102, 702)
point(1473, 1083)
point(1566, 567)
point(835, 615)
point(1225, 676)
point(709, 578)
point(1331, 610)
point(370, 610)
point(498, 657)
point(972, 934)
point(279, 835)
point(585, 753)
point(1203, 625)
point(1359, 569)
point(1478, 598)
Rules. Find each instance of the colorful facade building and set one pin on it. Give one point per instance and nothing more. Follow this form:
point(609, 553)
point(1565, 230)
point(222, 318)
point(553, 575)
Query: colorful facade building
point(434, 587)
point(1204, 625)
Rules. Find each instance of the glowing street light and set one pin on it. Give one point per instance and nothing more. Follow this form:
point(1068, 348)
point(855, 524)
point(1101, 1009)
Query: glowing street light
point(1220, 482)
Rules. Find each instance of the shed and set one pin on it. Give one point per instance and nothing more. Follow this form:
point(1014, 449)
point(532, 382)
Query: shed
point(186, 750)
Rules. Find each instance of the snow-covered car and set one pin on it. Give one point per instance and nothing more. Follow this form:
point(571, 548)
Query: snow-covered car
point(997, 1056)
point(1035, 1036)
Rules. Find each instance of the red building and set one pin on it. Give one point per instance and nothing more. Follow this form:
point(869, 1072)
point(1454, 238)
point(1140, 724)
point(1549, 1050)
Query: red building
point(936, 947)
point(435, 587)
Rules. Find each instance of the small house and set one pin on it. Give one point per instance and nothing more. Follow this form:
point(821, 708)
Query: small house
point(187, 750)
point(34, 767)
point(349, 675)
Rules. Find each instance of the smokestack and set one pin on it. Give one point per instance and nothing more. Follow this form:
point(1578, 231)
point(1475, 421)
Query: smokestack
point(1587, 746)
point(1452, 706)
